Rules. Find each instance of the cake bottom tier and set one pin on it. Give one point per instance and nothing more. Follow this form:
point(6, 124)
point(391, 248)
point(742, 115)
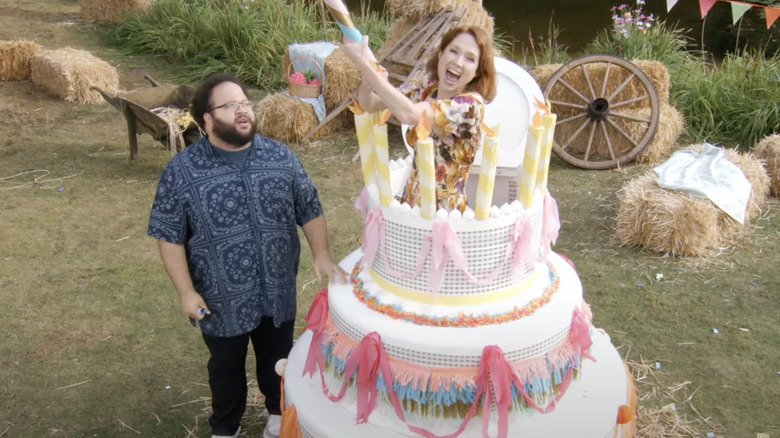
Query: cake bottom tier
point(589, 408)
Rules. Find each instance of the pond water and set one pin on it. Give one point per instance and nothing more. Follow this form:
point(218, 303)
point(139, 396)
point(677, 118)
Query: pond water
point(579, 21)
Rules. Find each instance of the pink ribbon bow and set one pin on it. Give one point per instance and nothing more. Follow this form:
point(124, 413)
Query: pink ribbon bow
point(551, 224)
point(375, 223)
point(445, 245)
point(316, 321)
point(522, 236)
point(579, 334)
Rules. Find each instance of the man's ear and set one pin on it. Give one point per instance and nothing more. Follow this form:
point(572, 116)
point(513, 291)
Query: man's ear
point(208, 123)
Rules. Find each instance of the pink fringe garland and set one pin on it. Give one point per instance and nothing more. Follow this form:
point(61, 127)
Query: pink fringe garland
point(368, 359)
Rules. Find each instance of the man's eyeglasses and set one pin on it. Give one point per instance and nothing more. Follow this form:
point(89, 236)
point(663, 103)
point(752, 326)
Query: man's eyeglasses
point(232, 106)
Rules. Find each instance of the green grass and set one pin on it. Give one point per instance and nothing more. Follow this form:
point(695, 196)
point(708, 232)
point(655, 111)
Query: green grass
point(94, 344)
point(247, 38)
point(734, 103)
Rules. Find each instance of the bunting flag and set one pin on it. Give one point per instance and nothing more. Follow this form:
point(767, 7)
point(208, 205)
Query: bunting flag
point(738, 10)
point(772, 15)
point(705, 6)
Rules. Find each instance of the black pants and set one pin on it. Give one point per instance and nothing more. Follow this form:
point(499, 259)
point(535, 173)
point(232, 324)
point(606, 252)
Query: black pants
point(227, 372)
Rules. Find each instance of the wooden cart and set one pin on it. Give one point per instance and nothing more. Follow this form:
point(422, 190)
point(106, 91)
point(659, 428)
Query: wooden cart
point(136, 107)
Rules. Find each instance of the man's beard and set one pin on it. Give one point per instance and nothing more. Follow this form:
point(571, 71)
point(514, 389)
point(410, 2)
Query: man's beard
point(228, 133)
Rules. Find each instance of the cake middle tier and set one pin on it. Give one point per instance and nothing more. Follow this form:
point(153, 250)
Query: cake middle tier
point(527, 323)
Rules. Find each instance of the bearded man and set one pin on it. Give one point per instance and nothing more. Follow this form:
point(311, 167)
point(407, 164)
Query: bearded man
point(225, 215)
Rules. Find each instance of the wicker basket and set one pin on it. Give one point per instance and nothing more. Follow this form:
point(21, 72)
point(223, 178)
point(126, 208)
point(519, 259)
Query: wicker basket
point(303, 90)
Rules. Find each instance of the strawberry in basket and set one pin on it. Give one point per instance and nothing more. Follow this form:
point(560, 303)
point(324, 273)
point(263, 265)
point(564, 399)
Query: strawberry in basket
point(298, 78)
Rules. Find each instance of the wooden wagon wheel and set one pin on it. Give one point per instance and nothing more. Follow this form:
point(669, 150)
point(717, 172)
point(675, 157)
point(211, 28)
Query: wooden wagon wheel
point(607, 111)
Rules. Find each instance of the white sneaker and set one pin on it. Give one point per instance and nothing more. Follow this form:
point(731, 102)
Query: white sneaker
point(235, 435)
point(272, 426)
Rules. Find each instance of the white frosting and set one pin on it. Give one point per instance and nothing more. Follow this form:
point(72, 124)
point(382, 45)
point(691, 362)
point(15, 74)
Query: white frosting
point(523, 338)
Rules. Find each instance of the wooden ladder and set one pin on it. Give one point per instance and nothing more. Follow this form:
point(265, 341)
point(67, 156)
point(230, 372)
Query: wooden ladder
point(406, 59)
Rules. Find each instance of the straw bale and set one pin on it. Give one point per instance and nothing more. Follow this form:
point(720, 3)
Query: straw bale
point(543, 72)
point(754, 171)
point(15, 57)
point(71, 74)
point(287, 118)
point(670, 127)
point(475, 14)
point(768, 149)
point(676, 223)
point(111, 10)
point(659, 76)
point(341, 77)
point(664, 221)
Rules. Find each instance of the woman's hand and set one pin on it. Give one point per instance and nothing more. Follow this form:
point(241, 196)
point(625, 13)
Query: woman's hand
point(358, 53)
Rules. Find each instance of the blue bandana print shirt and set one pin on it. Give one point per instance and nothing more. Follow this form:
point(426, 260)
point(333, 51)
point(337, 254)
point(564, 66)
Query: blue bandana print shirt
point(239, 228)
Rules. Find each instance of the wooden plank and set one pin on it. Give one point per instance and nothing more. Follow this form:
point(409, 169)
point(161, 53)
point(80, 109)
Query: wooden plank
point(406, 52)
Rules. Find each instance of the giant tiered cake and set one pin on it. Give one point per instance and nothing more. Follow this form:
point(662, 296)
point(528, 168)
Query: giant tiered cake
point(457, 325)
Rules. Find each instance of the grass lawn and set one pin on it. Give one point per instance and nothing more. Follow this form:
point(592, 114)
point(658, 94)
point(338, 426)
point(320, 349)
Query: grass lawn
point(94, 344)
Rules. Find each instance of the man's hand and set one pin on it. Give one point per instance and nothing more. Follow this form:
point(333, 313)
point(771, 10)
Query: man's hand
point(323, 264)
point(191, 305)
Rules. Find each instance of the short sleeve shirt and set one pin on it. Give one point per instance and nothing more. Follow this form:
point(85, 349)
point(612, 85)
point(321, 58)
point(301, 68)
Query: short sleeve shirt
point(239, 229)
point(457, 136)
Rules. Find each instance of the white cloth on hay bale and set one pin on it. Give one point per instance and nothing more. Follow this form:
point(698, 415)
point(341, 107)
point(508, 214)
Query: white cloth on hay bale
point(318, 51)
point(707, 174)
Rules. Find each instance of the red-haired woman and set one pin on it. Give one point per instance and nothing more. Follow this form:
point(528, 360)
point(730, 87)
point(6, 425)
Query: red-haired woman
point(459, 79)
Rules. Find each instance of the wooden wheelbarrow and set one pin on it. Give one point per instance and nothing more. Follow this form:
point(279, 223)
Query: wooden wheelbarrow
point(136, 107)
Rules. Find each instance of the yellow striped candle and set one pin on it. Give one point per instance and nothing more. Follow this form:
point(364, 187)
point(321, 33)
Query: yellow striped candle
point(487, 174)
point(533, 147)
point(426, 172)
point(364, 126)
point(382, 163)
point(548, 123)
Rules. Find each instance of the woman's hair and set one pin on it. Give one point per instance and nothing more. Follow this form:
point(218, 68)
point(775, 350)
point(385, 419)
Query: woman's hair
point(484, 81)
point(201, 99)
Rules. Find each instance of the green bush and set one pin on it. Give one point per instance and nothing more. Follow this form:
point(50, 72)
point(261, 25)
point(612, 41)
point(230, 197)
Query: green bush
point(245, 37)
point(735, 103)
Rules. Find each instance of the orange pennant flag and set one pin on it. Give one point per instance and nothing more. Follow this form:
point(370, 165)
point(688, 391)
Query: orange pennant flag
point(772, 15)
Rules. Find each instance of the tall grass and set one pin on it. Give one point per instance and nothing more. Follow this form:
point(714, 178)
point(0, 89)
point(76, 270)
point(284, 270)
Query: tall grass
point(735, 103)
point(245, 37)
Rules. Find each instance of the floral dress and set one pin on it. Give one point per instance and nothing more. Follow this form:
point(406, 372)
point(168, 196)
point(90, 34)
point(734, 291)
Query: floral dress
point(457, 136)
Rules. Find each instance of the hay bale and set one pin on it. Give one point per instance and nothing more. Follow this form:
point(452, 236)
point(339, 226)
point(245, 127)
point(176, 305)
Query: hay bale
point(543, 72)
point(665, 221)
point(287, 118)
point(71, 74)
point(768, 149)
point(111, 10)
point(658, 74)
point(475, 14)
point(341, 77)
point(15, 57)
point(673, 222)
point(670, 127)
